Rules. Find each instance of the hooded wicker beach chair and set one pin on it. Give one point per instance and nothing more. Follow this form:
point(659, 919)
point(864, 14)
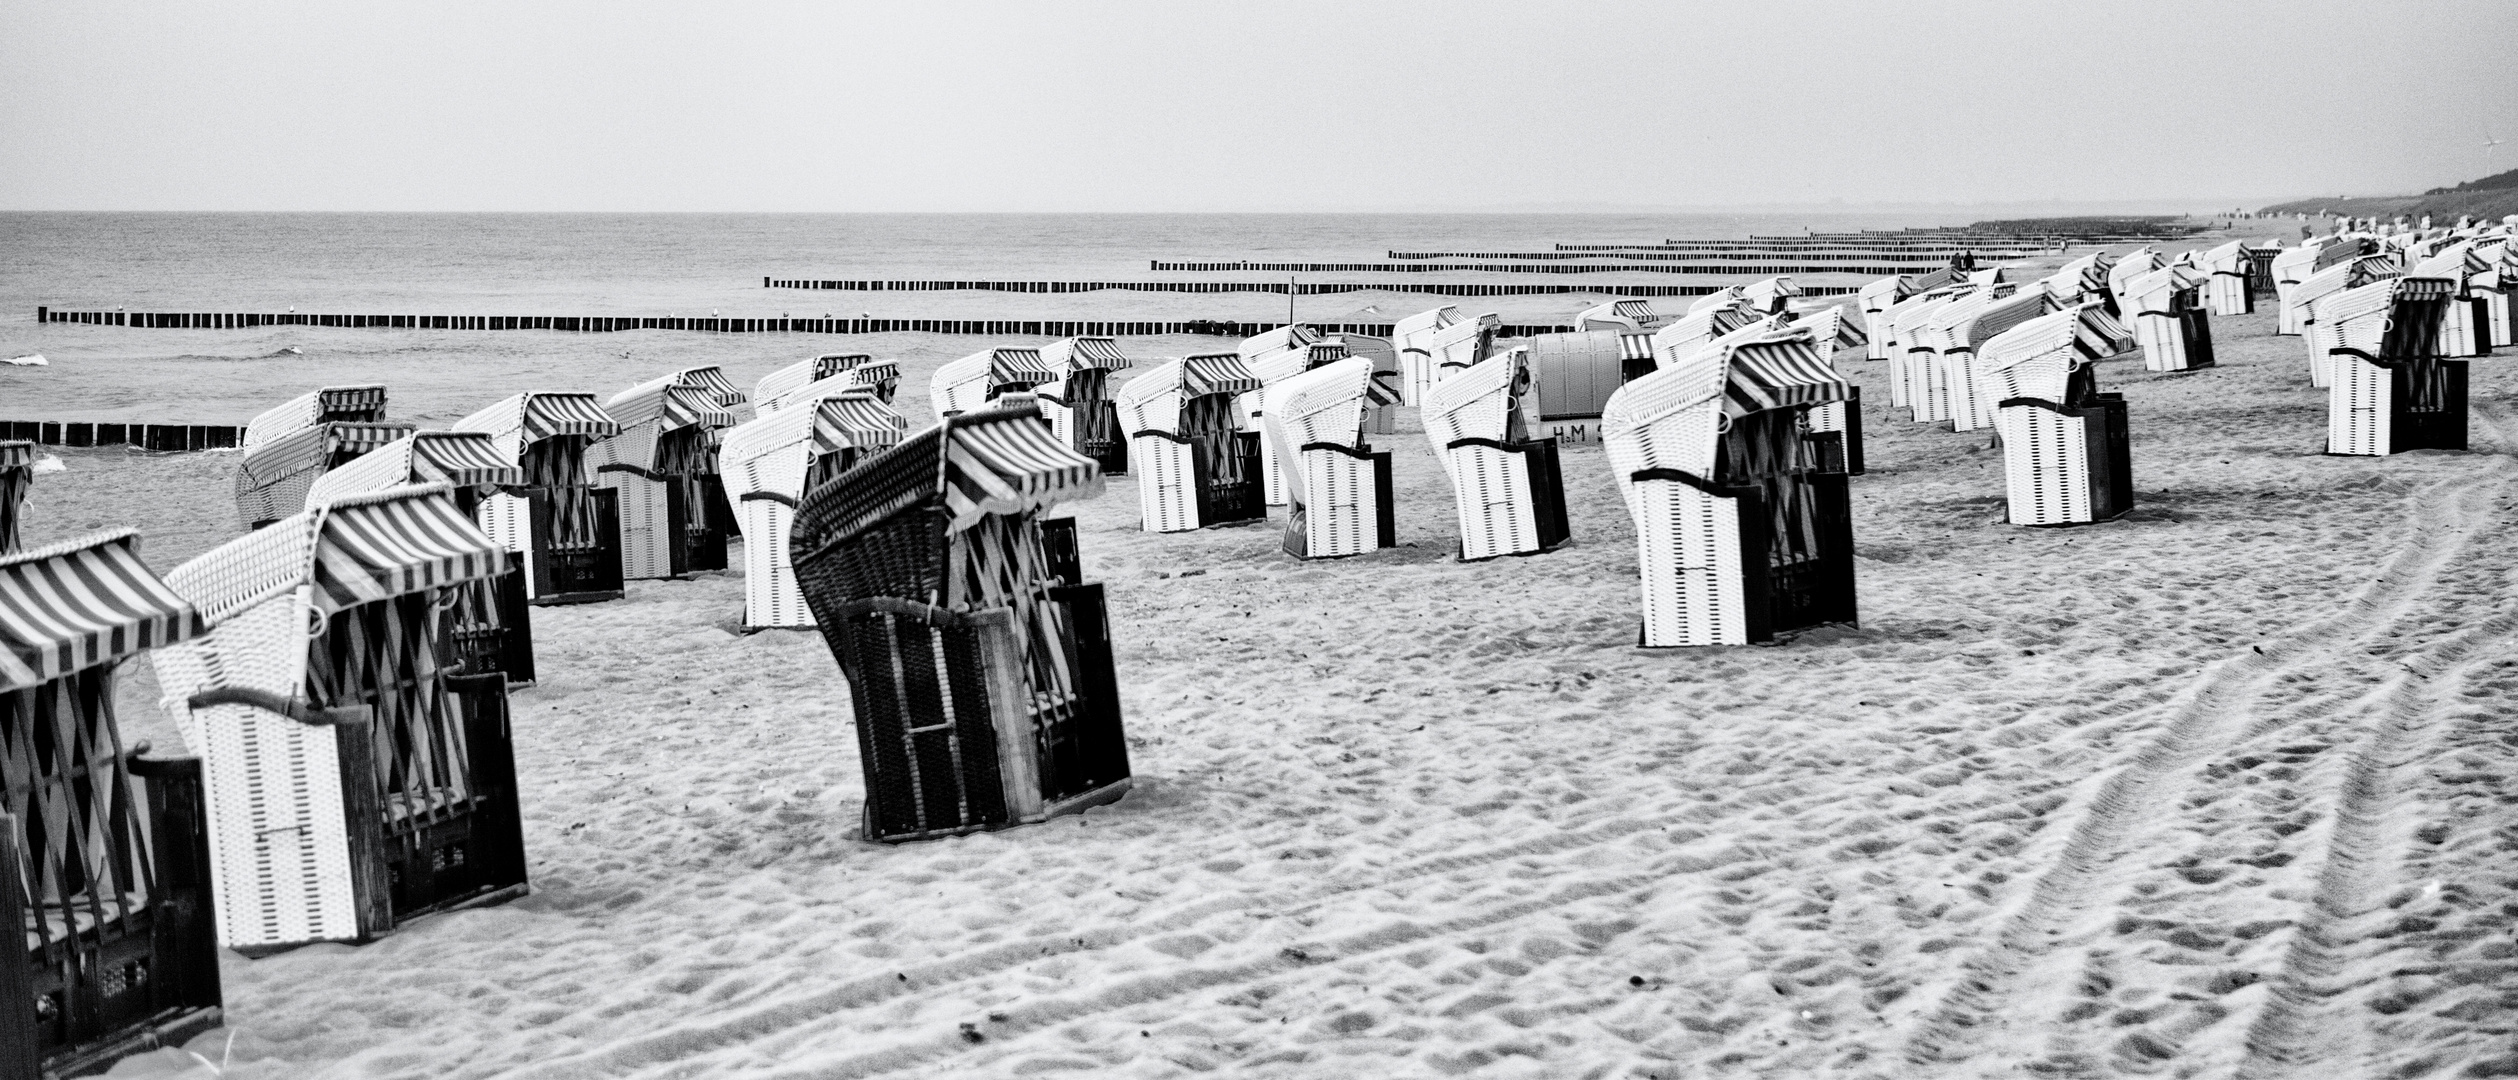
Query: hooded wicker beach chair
point(1508, 488)
point(2132, 264)
point(289, 446)
point(882, 376)
point(1833, 328)
point(1876, 298)
point(2259, 267)
point(1911, 369)
point(2306, 275)
point(1195, 466)
point(2227, 290)
point(978, 663)
point(1742, 518)
point(1436, 342)
point(2066, 451)
point(355, 780)
point(2319, 290)
point(1770, 296)
point(2465, 329)
point(1378, 419)
point(1728, 296)
point(1078, 403)
point(975, 380)
point(1626, 316)
point(105, 851)
point(566, 529)
point(2169, 318)
point(1691, 333)
point(1275, 366)
point(1337, 486)
point(2392, 390)
point(664, 465)
point(2492, 289)
point(332, 404)
point(487, 627)
point(1960, 332)
point(17, 473)
point(772, 461)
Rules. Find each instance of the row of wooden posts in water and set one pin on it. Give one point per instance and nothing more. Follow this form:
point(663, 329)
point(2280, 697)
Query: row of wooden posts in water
point(1281, 288)
point(597, 324)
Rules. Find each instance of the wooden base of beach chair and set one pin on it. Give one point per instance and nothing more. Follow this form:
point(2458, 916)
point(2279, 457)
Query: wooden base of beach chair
point(2378, 409)
point(1346, 508)
point(552, 576)
point(1510, 496)
point(1701, 584)
point(2174, 340)
point(2066, 466)
point(89, 994)
point(2226, 293)
point(951, 743)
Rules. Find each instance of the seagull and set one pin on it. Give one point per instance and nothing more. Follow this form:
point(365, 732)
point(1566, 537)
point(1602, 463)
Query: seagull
point(2489, 143)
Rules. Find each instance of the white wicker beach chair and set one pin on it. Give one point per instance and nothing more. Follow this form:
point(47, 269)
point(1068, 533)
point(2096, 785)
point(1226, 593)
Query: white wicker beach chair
point(1507, 487)
point(665, 451)
point(2392, 392)
point(1769, 296)
point(356, 404)
point(565, 528)
point(966, 384)
point(103, 865)
point(882, 376)
point(1961, 330)
point(1272, 367)
point(1077, 402)
point(1833, 328)
point(1728, 296)
point(770, 462)
point(2493, 287)
point(2226, 290)
point(354, 783)
point(1876, 297)
point(17, 473)
point(2313, 293)
point(1693, 332)
point(2133, 264)
point(2066, 449)
point(2166, 309)
point(1627, 316)
point(1741, 516)
point(1910, 355)
point(1195, 466)
point(1339, 488)
point(2465, 330)
point(275, 474)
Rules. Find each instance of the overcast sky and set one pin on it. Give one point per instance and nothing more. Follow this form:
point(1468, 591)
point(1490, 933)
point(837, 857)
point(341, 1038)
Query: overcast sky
point(1253, 105)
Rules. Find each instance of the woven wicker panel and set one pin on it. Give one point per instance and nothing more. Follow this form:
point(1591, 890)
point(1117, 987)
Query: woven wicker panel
point(1167, 485)
point(2046, 467)
point(1688, 555)
point(1497, 508)
point(2358, 408)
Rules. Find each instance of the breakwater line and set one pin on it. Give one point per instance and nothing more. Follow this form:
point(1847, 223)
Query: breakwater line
point(169, 437)
point(599, 324)
point(1318, 288)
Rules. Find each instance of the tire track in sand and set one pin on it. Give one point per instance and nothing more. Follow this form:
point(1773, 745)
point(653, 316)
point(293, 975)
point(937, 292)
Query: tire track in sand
point(2445, 517)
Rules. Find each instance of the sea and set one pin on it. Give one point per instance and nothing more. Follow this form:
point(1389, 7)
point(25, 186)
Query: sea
point(684, 265)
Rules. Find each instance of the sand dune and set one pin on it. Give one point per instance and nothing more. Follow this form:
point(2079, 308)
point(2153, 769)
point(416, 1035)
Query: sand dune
point(2220, 788)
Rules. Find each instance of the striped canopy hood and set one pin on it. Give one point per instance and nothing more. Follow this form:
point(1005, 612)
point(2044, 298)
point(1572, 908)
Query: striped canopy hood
point(71, 606)
point(525, 419)
point(354, 550)
point(1002, 459)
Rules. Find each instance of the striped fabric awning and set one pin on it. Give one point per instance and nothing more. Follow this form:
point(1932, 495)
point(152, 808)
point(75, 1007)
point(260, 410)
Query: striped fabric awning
point(545, 415)
point(70, 606)
point(829, 364)
point(309, 448)
point(1634, 346)
point(1095, 353)
point(460, 458)
point(712, 380)
point(2088, 330)
point(856, 421)
point(351, 403)
point(1216, 373)
point(1006, 461)
point(1784, 370)
point(16, 453)
point(677, 405)
point(1017, 368)
point(360, 403)
point(402, 540)
point(354, 549)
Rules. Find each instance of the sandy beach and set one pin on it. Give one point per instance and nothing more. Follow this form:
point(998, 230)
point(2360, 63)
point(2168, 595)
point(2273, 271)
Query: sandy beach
point(2217, 789)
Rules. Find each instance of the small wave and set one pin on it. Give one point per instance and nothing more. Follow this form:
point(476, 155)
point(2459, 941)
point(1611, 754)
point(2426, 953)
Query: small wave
point(286, 350)
point(50, 464)
point(28, 360)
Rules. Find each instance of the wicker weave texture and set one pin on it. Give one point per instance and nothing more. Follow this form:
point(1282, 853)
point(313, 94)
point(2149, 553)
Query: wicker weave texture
point(1340, 505)
point(2045, 461)
point(1688, 553)
point(1497, 509)
point(1167, 485)
point(2359, 408)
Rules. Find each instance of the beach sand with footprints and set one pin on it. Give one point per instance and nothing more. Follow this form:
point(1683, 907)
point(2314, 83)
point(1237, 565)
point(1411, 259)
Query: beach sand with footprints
point(2221, 788)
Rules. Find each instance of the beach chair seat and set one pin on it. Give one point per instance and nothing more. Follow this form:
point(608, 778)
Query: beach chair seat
point(2169, 318)
point(2066, 448)
point(2392, 391)
point(354, 781)
point(1506, 486)
point(17, 473)
point(487, 626)
point(664, 465)
point(975, 380)
point(1338, 487)
point(1195, 466)
point(978, 663)
point(103, 853)
point(770, 462)
point(1742, 517)
point(2226, 289)
point(565, 529)
point(1077, 403)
